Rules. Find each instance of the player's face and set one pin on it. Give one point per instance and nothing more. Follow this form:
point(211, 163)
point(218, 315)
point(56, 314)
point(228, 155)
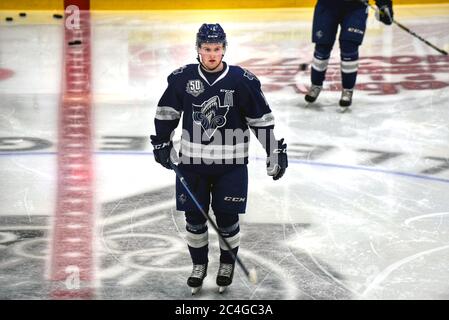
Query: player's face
point(211, 54)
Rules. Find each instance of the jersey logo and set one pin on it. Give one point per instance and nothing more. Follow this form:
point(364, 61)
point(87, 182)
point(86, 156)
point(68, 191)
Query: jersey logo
point(179, 70)
point(210, 115)
point(355, 30)
point(249, 75)
point(234, 199)
point(229, 97)
point(182, 198)
point(319, 34)
point(195, 87)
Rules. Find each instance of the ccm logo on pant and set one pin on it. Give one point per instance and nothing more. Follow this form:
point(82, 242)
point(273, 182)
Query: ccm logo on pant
point(234, 199)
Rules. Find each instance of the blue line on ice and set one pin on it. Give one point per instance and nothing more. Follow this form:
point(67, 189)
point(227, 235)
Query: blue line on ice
point(303, 162)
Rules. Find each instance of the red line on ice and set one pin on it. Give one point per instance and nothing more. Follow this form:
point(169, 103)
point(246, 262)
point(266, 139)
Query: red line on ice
point(72, 266)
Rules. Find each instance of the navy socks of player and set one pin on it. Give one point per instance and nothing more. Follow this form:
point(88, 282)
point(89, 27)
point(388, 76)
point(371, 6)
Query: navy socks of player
point(349, 55)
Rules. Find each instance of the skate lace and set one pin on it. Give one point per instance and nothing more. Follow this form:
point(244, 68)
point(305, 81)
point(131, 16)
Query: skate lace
point(346, 95)
point(198, 270)
point(314, 91)
point(225, 269)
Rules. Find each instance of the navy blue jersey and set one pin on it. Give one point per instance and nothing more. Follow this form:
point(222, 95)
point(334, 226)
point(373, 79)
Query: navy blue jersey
point(215, 116)
point(329, 14)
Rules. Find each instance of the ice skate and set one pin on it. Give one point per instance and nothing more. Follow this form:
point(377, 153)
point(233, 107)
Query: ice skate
point(313, 93)
point(346, 98)
point(224, 276)
point(195, 281)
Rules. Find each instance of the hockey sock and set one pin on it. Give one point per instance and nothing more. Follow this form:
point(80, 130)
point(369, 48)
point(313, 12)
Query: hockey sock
point(229, 227)
point(197, 237)
point(349, 63)
point(320, 62)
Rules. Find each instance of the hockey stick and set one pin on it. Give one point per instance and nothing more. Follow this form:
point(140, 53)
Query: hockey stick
point(252, 275)
point(365, 2)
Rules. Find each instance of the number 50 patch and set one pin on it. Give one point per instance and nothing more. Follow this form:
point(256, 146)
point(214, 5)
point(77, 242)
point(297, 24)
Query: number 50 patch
point(195, 87)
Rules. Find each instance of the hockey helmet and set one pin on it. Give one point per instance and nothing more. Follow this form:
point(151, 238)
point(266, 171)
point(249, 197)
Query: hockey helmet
point(211, 33)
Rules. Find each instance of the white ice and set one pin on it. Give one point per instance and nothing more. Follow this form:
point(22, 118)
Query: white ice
point(361, 213)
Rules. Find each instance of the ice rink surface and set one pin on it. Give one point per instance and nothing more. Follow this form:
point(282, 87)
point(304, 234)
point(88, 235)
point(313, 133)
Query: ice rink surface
point(361, 213)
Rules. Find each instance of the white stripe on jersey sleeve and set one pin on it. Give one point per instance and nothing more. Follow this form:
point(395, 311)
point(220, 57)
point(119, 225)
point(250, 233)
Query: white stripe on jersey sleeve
point(264, 121)
point(167, 113)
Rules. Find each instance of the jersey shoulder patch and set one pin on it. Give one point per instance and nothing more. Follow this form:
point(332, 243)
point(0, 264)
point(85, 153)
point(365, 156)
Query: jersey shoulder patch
point(246, 77)
point(244, 73)
point(248, 74)
point(179, 72)
point(184, 69)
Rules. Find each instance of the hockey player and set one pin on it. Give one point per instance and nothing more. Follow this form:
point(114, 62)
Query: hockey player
point(218, 104)
point(351, 15)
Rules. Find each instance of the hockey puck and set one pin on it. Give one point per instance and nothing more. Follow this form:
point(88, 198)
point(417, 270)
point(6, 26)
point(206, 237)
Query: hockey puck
point(303, 66)
point(74, 42)
point(22, 14)
point(9, 19)
point(57, 16)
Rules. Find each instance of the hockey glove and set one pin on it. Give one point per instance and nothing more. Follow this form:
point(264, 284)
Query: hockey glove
point(277, 160)
point(161, 151)
point(385, 12)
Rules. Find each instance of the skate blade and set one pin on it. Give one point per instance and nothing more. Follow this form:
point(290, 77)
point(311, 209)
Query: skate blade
point(344, 110)
point(221, 289)
point(195, 290)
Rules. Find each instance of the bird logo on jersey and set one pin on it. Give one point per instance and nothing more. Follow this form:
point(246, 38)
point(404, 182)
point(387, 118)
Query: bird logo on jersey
point(210, 115)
